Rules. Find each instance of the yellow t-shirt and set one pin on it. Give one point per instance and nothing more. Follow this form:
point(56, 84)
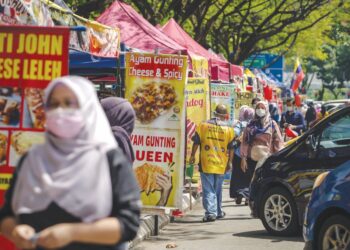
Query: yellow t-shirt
point(214, 141)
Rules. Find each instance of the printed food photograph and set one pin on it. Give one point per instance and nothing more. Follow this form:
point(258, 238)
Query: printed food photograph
point(10, 106)
point(3, 147)
point(151, 100)
point(156, 183)
point(146, 175)
point(34, 115)
point(21, 142)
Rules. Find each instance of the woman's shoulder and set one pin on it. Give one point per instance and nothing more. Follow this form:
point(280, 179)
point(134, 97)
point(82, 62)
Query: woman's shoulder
point(116, 158)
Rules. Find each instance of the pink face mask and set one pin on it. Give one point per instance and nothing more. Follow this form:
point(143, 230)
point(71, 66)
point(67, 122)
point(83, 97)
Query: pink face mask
point(64, 123)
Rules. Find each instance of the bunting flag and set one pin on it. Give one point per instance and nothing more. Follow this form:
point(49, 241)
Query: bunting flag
point(298, 76)
point(190, 128)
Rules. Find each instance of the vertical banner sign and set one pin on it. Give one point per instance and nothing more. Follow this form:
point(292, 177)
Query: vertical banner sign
point(197, 109)
point(30, 57)
point(200, 66)
point(155, 87)
point(223, 94)
point(242, 98)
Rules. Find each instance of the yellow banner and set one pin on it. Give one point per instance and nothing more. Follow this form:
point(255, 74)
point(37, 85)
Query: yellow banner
point(200, 66)
point(242, 98)
point(155, 87)
point(197, 108)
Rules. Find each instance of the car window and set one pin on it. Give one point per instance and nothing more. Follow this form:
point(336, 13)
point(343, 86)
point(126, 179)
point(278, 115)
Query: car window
point(335, 138)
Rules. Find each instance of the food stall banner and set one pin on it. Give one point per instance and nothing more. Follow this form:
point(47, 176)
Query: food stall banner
point(200, 66)
point(223, 94)
point(32, 12)
point(155, 87)
point(197, 109)
point(30, 57)
point(242, 98)
point(99, 39)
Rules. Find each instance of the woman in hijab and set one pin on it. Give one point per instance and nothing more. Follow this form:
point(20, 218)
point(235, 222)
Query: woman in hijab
point(121, 117)
point(239, 180)
point(76, 191)
point(262, 137)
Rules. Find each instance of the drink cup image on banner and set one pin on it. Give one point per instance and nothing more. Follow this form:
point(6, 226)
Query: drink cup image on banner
point(10, 107)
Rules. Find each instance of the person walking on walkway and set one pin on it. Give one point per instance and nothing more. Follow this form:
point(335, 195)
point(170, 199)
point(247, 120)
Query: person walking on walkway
point(239, 180)
point(76, 191)
point(215, 139)
point(262, 137)
point(292, 119)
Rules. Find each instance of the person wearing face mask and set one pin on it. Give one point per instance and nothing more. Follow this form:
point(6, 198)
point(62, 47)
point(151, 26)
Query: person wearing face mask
point(239, 180)
point(76, 191)
point(292, 119)
point(261, 138)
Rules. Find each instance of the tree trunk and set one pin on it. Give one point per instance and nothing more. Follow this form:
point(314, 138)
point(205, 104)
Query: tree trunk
point(309, 84)
point(320, 97)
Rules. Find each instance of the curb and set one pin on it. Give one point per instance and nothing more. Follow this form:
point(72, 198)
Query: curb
point(147, 226)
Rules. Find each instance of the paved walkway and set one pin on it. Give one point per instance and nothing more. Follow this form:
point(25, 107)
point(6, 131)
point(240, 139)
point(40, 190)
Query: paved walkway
point(237, 231)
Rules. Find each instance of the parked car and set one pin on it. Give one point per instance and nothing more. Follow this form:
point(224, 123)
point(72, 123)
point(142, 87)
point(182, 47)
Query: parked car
point(327, 218)
point(282, 183)
point(335, 103)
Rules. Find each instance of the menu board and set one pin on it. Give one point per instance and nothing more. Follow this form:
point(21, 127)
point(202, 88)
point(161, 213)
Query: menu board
point(155, 87)
point(30, 57)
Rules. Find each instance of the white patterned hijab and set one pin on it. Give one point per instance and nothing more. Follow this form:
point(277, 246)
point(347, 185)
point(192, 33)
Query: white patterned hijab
point(73, 173)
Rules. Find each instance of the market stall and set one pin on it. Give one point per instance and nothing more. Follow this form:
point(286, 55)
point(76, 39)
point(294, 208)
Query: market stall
point(102, 71)
point(137, 32)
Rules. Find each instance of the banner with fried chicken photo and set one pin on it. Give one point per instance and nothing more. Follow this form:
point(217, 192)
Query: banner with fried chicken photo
point(155, 87)
point(30, 57)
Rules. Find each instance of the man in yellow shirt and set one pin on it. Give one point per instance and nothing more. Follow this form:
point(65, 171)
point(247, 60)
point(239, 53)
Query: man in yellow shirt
point(215, 139)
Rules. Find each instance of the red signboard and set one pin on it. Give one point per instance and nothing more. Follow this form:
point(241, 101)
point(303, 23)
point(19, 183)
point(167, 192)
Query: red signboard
point(30, 57)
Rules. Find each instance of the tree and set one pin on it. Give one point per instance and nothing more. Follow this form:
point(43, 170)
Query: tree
point(333, 70)
point(236, 28)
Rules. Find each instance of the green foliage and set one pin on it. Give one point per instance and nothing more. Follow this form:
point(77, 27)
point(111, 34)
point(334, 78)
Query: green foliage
point(238, 29)
point(334, 70)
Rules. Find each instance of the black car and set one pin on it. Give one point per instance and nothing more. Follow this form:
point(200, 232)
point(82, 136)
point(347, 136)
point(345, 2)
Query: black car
point(282, 184)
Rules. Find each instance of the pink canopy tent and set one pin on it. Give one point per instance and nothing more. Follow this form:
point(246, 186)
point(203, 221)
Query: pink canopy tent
point(137, 32)
point(219, 68)
point(176, 33)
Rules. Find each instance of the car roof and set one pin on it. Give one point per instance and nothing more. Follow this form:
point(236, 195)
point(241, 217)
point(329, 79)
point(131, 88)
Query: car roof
point(337, 101)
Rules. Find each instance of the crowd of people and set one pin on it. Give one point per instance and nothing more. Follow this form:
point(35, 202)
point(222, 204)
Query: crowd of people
point(259, 132)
